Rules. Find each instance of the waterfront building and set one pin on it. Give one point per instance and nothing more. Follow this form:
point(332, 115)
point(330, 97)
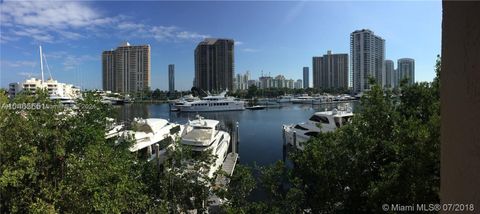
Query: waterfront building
point(367, 52)
point(53, 87)
point(316, 64)
point(290, 83)
point(389, 74)
point(330, 71)
point(396, 78)
point(171, 78)
point(256, 83)
point(214, 64)
point(299, 84)
point(241, 81)
point(406, 69)
point(306, 79)
point(126, 69)
point(56, 90)
point(280, 82)
point(266, 82)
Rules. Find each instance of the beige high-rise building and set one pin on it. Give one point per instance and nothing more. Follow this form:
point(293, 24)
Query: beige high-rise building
point(126, 69)
point(330, 71)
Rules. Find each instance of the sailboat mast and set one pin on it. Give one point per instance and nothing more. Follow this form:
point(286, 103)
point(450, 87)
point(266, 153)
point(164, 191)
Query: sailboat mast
point(41, 63)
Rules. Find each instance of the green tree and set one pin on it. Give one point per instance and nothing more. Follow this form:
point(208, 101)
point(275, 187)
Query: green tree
point(57, 160)
point(389, 154)
point(252, 91)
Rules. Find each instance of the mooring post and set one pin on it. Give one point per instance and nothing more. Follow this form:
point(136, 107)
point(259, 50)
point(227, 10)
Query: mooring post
point(157, 155)
point(295, 138)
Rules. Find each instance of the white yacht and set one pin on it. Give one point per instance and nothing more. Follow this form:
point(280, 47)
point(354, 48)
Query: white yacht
point(326, 121)
point(219, 102)
point(65, 100)
point(303, 99)
point(113, 129)
point(149, 132)
point(112, 100)
point(203, 135)
point(285, 99)
point(175, 104)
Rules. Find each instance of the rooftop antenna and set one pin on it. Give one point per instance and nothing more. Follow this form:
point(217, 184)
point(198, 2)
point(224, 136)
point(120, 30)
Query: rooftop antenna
point(41, 63)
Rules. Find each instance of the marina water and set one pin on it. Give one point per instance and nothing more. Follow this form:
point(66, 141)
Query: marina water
point(260, 131)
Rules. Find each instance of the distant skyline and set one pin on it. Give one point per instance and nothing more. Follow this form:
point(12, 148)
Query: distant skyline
point(276, 37)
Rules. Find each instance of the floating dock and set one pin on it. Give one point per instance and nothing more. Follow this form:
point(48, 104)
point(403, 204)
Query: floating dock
point(228, 167)
point(221, 181)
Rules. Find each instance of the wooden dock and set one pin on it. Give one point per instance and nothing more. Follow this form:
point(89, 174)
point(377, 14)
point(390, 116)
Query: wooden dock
point(228, 167)
point(221, 181)
point(229, 163)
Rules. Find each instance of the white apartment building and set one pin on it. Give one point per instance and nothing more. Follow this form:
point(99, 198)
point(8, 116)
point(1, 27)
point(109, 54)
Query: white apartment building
point(54, 88)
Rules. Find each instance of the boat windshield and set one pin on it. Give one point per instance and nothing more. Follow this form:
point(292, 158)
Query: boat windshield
point(311, 134)
point(319, 119)
point(199, 134)
point(341, 121)
point(300, 127)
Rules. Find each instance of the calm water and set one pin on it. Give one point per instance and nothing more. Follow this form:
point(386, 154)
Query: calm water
point(260, 130)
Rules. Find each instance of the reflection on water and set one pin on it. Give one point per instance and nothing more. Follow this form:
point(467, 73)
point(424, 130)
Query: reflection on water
point(260, 130)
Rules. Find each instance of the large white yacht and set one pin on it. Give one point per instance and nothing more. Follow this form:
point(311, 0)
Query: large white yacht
point(326, 121)
point(285, 99)
point(203, 135)
point(303, 99)
point(147, 133)
point(219, 102)
point(175, 104)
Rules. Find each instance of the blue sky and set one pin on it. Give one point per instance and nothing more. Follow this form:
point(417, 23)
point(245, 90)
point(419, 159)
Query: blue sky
point(276, 37)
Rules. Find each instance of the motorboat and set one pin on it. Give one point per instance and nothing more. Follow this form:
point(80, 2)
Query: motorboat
point(326, 121)
point(256, 107)
point(112, 100)
point(147, 133)
point(175, 104)
point(113, 129)
point(203, 135)
point(64, 100)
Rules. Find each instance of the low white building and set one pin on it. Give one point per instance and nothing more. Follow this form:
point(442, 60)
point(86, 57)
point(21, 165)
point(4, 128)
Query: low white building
point(54, 88)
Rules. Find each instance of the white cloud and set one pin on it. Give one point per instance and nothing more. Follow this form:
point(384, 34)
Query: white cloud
point(35, 33)
point(57, 21)
point(191, 35)
point(5, 38)
point(50, 14)
point(27, 74)
point(17, 63)
point(71, 35)
point(250, 50)
point(160, 33)
point(237, 43)
point(70, 62)
point(130, 26)
point(47, 21)
point(294, 12)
